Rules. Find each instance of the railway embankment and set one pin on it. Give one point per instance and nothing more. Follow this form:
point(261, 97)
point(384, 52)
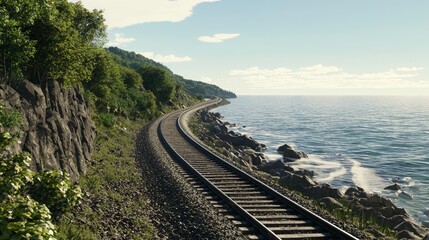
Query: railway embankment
point(177, 210)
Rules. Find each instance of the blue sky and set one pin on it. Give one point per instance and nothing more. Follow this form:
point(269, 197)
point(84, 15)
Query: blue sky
point(281, 47)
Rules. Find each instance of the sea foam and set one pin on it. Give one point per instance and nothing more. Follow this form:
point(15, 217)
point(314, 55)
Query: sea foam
point(326, 171)
point(366, 178)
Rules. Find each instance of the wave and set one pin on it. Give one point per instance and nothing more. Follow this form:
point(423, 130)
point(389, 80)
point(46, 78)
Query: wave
point(326, 171)
point(332, 175)
point(366, 178)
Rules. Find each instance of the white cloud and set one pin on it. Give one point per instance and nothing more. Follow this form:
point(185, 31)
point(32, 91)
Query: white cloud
point(129, 12)
point(206, 79)
point(409, 69)
point(166, 58)
point(218, 38)
point(327, 77)
point(120, 40)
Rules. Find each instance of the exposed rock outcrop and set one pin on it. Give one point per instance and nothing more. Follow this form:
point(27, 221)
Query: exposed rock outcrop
point(57, 129)
point(289, 153)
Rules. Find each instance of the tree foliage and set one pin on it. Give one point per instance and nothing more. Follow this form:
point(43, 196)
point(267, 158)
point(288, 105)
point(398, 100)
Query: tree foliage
point(159, 81)
point(49, 39)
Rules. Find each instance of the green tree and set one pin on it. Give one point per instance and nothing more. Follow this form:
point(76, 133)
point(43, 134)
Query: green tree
point(159, 81)
point(131, 78)
point(16, 48)
point(66, 36)
point(48, 39)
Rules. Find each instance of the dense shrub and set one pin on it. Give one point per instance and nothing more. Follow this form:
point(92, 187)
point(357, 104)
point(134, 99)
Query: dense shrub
point(29, 199)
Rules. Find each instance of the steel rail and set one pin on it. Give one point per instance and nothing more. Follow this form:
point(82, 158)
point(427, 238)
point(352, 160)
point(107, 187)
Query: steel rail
point(262, 228)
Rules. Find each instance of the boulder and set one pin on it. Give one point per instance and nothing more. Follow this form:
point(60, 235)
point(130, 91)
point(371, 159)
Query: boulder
point(283, 147)
point(273, 167)
point(393, 187)
point(289, 153)
point(404, 234)
point(356, 192)
point(376, 201)
point(218, 115)
point(253, 159)
point(426, 237)
point(289, 168)
point(305, 172)
point(297, 182)
point(392, 211)
point(243, 141)
point(323, 190)
point(375, 232)
point(410, 226)
point(405, 195)
point(394, 221)
point(425, 211)
point(331, 203)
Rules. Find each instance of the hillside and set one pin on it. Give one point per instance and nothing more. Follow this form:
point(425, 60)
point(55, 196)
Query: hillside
point(195, 88)
point(76, 108)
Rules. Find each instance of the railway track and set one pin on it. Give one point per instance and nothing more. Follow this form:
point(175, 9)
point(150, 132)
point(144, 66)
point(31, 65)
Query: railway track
point(257, 210)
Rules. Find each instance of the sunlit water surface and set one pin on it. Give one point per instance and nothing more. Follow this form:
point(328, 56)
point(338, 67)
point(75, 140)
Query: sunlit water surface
point(365, 141)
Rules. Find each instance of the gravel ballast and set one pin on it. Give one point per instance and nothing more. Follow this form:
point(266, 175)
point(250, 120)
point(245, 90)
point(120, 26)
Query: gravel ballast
point(177, 210)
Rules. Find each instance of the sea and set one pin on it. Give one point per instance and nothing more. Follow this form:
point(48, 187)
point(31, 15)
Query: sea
point(365, 141)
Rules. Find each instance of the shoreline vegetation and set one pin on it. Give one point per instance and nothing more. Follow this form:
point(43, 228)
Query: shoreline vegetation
point(366, 215)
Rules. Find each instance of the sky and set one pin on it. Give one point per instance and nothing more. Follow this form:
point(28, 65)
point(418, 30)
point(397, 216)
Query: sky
point(281, 47)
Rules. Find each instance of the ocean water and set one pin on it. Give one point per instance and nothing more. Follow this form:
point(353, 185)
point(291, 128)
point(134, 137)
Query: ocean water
point(366, 141)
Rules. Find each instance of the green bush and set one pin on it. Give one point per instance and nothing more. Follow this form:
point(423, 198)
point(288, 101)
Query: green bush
point(106, 119)
point(55, 189)
point(28, 199)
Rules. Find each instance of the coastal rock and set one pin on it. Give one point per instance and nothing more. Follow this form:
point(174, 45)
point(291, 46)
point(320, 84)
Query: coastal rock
point(283, 147)
point(243, 141)
point(323, 190)
point(218, 115)
point(393, 187)
point(376, 201)
point(410, 226)
point(331, 203)
point(389, 212)
point(425, 211)
point(426, 237)
point(289, 153)
point(273, 167)
point(404, 234)
point(375, 232)
point(297, 182)
point(356, 192)
point(405, 195)
point(255, 159)
point(289, 168)
point(305, 172)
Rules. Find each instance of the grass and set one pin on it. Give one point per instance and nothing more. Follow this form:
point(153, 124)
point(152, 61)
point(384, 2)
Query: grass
point(113, 206)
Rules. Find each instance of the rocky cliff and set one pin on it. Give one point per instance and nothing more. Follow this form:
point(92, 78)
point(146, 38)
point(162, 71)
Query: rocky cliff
point(57, 129)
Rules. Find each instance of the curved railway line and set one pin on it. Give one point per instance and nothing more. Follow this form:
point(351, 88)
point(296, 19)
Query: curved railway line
point(259, 211)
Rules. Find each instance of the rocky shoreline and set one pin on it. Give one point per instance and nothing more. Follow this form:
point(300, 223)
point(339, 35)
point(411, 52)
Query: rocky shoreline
point(370, 208)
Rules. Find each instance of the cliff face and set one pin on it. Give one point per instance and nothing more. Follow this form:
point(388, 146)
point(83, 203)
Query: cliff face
point(58, 131)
